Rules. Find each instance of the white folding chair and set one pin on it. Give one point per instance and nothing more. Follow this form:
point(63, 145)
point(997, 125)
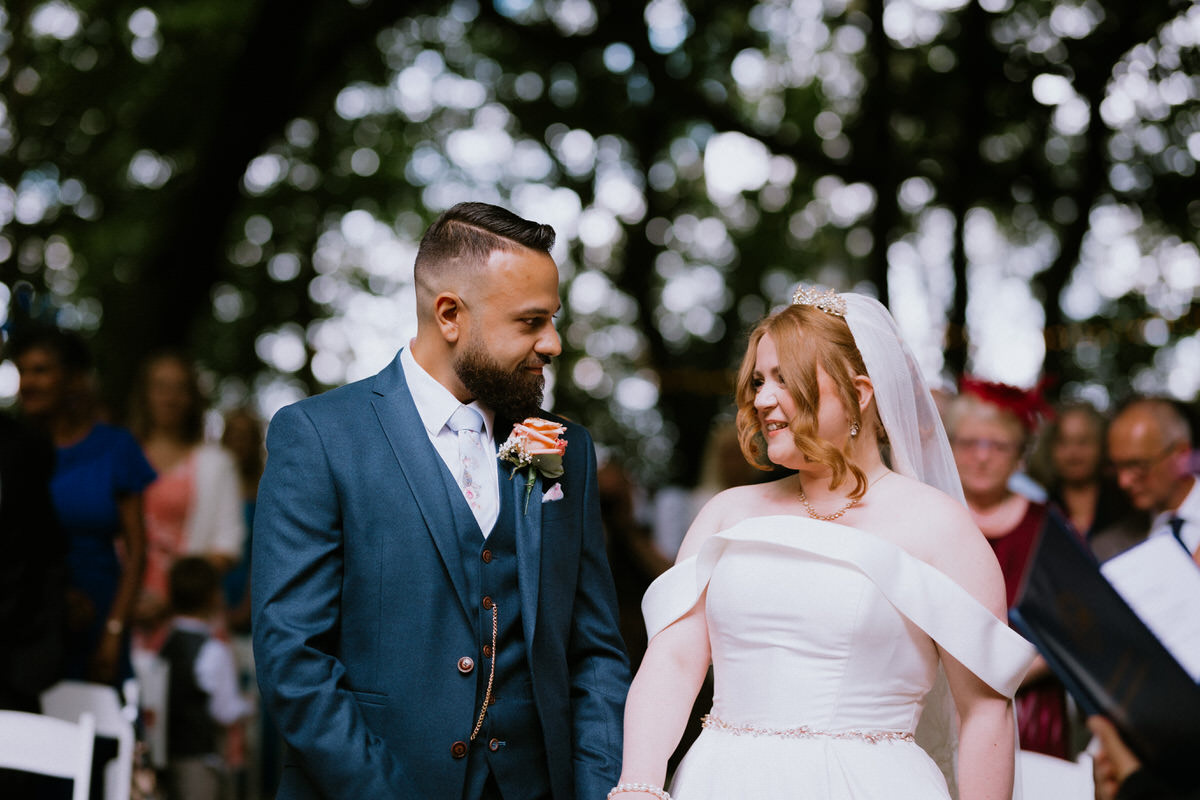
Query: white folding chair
point(49, 746)
point(1045, 777)
point(153, 677)
point(68, 699)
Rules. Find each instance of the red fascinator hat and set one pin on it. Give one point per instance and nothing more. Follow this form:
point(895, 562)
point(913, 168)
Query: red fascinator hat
point(1029, 405)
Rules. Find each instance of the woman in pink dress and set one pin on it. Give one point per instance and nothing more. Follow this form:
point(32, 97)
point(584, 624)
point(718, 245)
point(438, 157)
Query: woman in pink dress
point(194, 507)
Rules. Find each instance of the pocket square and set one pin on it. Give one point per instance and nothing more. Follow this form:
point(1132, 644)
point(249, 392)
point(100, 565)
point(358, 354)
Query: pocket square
point(552, 494)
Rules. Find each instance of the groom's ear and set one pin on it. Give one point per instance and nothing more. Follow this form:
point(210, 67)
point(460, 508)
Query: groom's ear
point(448, 311)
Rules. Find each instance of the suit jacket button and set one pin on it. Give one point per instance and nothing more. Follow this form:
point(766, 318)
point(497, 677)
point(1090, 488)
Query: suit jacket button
point(487, 603)
point(486, 555)
point(494, 745)
point(458, 749)
point(465, 665)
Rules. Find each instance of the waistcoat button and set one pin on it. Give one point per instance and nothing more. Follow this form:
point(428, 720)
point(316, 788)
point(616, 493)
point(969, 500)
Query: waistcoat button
point(487, 603)
point(486, 555)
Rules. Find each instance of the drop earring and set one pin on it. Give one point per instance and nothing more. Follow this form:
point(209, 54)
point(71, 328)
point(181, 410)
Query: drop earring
point(853, 429)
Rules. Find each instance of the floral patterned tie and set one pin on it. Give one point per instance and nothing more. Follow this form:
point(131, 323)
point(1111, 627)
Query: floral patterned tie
point(475, 460)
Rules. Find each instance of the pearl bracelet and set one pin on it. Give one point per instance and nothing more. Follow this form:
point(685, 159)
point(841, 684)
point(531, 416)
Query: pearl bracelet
point(622, 788)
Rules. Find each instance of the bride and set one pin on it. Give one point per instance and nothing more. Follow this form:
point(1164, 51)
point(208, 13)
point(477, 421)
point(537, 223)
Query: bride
point(839, 606)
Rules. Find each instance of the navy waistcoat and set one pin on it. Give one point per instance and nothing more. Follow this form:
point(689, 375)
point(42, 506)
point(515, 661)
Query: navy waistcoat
point(510, 744)
point(190, 729)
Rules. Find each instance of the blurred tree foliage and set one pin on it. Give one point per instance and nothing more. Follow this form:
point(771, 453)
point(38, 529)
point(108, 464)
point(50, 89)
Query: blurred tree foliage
point(200, 174)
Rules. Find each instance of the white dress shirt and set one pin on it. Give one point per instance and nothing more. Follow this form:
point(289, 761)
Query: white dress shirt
point(1189, 512)
point(435, 405)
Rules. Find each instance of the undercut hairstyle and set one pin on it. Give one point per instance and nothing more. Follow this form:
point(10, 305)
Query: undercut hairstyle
point(1167, 413)
point(460, 241)
point(804, 337)
point(192, 585)
point(67, 346)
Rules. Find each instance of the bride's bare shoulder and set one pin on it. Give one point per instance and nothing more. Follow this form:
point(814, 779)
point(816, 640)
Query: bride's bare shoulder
point(923, 520)
point(912, 499)
point(726, 509)
point(938, 529)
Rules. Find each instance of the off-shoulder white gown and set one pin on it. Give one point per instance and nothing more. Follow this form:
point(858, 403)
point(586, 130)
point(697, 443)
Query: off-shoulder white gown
point(825, 656)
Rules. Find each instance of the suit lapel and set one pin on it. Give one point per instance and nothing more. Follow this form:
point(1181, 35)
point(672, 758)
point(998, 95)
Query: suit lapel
point(528, 526)
point(529, 544)
point(422, 468)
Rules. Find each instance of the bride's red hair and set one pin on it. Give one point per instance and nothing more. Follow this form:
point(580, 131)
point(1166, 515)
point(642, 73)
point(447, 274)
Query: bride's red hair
point(804, 337)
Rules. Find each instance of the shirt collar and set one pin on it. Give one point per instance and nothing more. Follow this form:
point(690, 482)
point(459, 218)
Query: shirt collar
point(1188, 510)
point(435, 403)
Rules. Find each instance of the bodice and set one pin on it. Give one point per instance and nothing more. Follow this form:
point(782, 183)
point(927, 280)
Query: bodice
point(803, 641)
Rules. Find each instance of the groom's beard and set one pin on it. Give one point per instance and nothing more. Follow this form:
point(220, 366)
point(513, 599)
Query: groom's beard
point(512, 394)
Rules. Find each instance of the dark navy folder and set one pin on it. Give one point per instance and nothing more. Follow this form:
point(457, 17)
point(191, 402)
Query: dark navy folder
point(1105, 655)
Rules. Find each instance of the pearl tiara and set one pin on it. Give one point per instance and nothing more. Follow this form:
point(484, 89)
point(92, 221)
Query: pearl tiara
point(827, 300)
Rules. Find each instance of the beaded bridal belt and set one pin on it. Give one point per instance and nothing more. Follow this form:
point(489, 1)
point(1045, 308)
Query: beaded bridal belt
point(805, 732)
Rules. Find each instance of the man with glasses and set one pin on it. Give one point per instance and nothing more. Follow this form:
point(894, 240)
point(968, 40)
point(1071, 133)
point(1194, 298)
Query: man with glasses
point(1150, 444)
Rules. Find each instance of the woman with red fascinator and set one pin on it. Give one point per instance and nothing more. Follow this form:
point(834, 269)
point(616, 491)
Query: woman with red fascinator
point(990, 426)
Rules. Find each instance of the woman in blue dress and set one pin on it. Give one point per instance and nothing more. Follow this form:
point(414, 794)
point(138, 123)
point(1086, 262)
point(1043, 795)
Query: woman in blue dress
point(99, 475)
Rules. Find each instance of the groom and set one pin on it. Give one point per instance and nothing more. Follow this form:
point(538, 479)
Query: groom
point(425, 625)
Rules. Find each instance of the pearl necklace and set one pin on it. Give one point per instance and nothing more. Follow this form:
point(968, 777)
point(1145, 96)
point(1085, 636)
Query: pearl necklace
point(812, 512)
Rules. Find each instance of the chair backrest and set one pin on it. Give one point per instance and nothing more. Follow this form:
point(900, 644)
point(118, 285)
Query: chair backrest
point(1045, 777)
point(68, 699)
point(49, 746)
point(153, 679)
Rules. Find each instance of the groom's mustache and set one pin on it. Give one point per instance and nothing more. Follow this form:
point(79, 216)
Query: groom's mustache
point(539, 360)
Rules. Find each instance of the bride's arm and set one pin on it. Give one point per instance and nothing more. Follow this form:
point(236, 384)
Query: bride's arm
point(986, 736)
point(672, 670)
point(661, 698)
point(986, 739)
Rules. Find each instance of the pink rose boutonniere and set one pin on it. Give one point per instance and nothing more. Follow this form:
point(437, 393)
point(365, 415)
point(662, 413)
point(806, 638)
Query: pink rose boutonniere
point(537, 446)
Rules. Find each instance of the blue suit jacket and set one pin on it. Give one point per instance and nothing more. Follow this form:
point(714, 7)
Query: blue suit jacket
point(361, 612)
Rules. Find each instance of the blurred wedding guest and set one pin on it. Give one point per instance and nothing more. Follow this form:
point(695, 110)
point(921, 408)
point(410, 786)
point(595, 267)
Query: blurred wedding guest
point(32, 586)
point(99, 476)
point(242, 437)
point(632, 555)
point(195, 506)
point(722, 467)
point(204, 697)
point(1150, 444)
point(1119, 774)
point(32, 571)
point(990, 425)
point(1071, 463)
